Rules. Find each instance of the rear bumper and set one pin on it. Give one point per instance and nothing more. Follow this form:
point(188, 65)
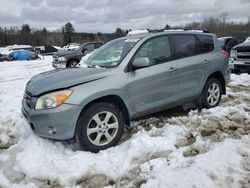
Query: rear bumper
point(58, 123)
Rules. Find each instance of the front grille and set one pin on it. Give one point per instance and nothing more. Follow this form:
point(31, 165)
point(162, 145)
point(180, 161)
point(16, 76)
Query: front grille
point(243, 55)
point(27, 98)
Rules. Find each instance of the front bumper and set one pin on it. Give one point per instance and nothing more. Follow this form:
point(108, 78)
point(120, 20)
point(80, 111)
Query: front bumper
point(242, 65)
point(59, 64)
point(57, 123)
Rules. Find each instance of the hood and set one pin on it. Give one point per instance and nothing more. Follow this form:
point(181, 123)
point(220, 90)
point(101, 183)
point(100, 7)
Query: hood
point(65, 53)
point(63, 78)
point(243, 47)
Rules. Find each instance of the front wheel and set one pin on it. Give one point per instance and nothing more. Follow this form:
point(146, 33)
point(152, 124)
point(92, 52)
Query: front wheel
point(99, 127)
point(72, 63)
point(212, 92)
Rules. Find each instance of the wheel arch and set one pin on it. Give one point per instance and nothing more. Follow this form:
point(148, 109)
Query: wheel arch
point(113, 99)
point(218, 75)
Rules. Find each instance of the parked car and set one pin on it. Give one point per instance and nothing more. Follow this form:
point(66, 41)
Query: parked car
point(46, 50)
point(4, 57)
point(8, 49)
point(23, 55)
point(153, 72)
point(227, 43)
point(72, 58)
point(240, 57)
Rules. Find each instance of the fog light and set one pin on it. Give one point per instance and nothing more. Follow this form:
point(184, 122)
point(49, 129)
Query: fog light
point(52, 130)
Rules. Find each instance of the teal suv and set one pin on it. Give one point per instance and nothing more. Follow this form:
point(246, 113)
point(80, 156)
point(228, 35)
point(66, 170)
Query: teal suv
point(125, 79)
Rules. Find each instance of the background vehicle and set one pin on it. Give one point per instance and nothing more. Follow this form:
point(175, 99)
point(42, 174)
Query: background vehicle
point(7, 50)
point(240, 58)
point(227, 43)
point(23, 55)
point(46, 50)
point(72, 58)
point(4, 57)
point(148, 73)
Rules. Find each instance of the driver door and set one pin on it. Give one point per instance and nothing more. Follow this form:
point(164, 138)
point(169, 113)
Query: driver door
point(152, 88)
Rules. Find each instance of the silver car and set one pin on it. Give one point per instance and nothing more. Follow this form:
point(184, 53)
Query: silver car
point(151, 73)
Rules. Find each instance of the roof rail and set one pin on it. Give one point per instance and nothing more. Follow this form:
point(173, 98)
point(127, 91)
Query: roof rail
point(198, 30)
point(179, 30)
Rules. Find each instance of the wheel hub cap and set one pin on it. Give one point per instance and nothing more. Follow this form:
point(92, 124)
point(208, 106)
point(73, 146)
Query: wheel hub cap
point(102, 128)
point(213, 94)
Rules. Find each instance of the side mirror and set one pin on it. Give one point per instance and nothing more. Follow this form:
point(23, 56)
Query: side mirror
point(141, 62)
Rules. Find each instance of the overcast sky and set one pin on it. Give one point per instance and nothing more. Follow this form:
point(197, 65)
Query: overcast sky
point(107, 15)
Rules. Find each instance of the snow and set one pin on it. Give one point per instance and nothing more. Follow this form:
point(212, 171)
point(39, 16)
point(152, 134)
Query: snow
point(57, 47)
point(174, 149)
point(136, 32)
point(83, 60)
point(243, 79)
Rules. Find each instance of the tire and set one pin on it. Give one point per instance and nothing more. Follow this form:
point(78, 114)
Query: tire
point(211, 94)
point(93, 130)
point(72, 63)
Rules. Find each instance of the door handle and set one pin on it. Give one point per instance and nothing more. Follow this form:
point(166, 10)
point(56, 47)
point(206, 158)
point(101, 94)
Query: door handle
point(172, 69)
point(206, 61)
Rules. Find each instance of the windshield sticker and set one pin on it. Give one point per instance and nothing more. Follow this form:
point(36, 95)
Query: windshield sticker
point(132, 40)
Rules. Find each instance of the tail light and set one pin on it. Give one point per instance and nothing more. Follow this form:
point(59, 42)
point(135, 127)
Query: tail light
point(225, 53)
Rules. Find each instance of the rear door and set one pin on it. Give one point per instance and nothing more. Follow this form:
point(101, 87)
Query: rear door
point(151, 88)
point(191, 63)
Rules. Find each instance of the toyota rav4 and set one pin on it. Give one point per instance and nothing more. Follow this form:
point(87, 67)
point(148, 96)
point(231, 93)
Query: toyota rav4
point(125, 79)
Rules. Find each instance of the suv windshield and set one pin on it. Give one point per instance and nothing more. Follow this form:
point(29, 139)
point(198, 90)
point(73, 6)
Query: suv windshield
point(112, 53)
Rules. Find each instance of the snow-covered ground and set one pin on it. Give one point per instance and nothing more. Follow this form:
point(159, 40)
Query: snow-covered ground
point(175, 148)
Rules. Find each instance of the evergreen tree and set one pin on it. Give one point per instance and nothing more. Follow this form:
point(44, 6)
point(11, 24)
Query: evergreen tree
point(25, 33)
point(68, 32)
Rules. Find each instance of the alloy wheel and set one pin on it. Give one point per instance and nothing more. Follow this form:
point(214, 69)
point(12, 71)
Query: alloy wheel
point(102, 128)
point(213, 94)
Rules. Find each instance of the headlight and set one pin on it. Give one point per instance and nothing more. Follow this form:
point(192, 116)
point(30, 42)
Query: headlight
point(61, 59)
point(52, 100)
point(233, 53)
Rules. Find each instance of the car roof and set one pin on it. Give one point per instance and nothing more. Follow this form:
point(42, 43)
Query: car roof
point(149, 35)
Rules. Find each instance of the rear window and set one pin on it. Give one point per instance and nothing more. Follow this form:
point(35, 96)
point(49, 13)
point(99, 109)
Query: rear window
point(206, 43)
point(185, 46)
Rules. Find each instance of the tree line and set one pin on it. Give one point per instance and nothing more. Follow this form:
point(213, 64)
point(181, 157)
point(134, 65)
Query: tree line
point(36, 37)
point(219, 25)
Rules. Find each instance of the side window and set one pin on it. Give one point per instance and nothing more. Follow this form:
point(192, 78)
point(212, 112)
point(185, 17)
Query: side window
point(206, 43)
point(97, 45)
point(90, 47)
point(157, 50)
point(185, 46)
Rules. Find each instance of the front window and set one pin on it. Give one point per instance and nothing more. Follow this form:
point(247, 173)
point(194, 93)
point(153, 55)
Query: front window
point(157, 50)
point(112, 53)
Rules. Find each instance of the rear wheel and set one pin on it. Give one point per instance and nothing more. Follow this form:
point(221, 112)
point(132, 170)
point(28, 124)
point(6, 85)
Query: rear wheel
point(99, 127)
point(212, 92)
point(72, 63)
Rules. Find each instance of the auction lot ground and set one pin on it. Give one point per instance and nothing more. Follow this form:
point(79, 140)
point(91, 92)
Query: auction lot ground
point(176, 148)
